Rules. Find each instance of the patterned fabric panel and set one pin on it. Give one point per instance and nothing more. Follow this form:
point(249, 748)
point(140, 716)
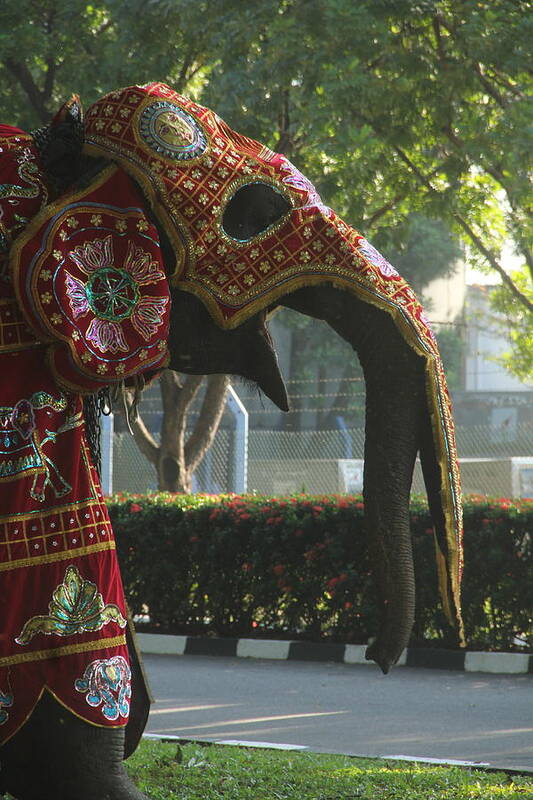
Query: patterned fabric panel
point(22, 189)
point(90, 280)
point(61, 599)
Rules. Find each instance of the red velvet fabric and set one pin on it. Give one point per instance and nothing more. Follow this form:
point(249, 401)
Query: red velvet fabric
point(61, 599)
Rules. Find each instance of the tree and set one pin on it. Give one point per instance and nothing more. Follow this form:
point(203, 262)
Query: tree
point(398, 109)
point(177, 455)
point(518, 326)
point(395, 107)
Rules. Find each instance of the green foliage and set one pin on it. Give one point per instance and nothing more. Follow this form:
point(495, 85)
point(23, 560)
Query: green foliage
point(518, 325)
point(245, 774)
point(397, 110)
point(423, 249)
point(451, 346)
point(297, 567)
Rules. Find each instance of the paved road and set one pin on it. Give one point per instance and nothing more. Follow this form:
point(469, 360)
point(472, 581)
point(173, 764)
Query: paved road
point(344, 708)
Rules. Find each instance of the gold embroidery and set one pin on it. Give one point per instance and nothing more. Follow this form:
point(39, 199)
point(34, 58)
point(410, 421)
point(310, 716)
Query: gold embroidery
point(76, 607)
point(52, 558)
point(66, 650)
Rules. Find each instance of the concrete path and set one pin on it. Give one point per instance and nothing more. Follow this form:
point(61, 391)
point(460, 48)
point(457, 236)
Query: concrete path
point(354, 709)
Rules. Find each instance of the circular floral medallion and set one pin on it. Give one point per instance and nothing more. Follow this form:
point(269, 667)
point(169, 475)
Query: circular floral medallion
point(112, 293)
point(171, 132)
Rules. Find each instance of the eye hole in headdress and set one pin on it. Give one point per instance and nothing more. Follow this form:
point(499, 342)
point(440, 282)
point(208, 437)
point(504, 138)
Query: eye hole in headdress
point(252, 210)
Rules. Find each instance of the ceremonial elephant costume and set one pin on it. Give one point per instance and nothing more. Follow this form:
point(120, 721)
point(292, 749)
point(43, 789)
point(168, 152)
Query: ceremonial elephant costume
point(152, 235)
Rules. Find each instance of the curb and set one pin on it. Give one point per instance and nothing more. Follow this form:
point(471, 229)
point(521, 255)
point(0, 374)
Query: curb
point(457, 660)
point(483, 766)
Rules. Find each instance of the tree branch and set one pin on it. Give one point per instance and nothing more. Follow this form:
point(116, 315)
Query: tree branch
point(144, 440)
point(25, 79)
point(498, 78)
point(51, 68)
point(369, 222)
point(183, 76)
point(207, 424)
point(487, 85)
point(493, 261)
point(176, 399)
point(474, 238)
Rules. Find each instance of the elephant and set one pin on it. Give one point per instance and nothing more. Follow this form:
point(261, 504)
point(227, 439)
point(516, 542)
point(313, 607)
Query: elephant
point(149, 235)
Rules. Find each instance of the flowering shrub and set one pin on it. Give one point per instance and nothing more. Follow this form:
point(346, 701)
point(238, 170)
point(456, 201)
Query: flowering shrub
point(297, 567)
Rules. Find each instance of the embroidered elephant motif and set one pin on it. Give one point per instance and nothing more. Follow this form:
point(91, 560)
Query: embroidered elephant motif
point(23, 447)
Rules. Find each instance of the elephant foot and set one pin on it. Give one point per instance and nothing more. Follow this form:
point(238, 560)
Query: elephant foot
point(57, 756)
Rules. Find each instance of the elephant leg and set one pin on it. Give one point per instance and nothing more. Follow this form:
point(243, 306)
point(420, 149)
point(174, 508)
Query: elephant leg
point(141, 696)
point(57, 755)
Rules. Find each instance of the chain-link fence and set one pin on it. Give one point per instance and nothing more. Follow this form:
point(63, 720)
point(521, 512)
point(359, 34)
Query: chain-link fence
point(281, 462)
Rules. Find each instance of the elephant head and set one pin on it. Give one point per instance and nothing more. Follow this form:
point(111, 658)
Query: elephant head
point(171, 250)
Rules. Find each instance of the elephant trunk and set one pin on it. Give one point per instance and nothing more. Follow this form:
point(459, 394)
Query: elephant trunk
point(394, 393)
point(395, 410)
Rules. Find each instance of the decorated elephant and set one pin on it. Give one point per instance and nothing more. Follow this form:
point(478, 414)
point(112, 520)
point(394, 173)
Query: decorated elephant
point(152, 235)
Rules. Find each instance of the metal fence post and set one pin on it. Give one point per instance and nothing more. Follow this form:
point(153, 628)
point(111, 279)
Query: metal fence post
point(106, 447)
point(241, 441)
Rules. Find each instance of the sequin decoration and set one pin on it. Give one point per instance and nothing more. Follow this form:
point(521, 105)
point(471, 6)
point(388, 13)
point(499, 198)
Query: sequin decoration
point(375, 258)
point(6, 701)
point(76, 607)
point(107, 682)
point(91, 283)
point(23, 451)
point(171, 132)
point(112, 294)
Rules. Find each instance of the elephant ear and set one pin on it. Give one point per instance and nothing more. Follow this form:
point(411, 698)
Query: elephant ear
point(90, 280)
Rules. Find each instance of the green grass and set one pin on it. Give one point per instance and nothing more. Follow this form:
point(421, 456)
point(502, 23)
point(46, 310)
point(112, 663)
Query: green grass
point(191, 772)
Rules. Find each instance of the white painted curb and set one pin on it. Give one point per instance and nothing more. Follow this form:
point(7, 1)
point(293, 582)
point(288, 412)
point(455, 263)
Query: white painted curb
point(503, 663)
point(513, 663)
point(162, 644)
point(260, 648)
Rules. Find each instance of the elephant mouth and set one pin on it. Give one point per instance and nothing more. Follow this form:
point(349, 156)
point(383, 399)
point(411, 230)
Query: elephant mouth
point(199, 347)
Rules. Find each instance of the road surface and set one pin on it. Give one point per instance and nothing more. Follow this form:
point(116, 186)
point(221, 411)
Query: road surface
point(353, 709)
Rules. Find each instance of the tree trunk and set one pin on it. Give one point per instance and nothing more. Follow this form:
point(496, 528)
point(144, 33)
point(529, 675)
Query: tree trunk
point(176, 458)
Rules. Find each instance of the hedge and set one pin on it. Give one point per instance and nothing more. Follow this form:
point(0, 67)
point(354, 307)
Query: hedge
point(297, 567)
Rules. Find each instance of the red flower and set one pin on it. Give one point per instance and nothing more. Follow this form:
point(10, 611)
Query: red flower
point(135, 507)
point(298, 532)
point(214, 514)
point(429, 531)
point(348, 605)
point(278, 569)
point(193, 539)
point(246, 567)
point(245, 516)
point(359, 505)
